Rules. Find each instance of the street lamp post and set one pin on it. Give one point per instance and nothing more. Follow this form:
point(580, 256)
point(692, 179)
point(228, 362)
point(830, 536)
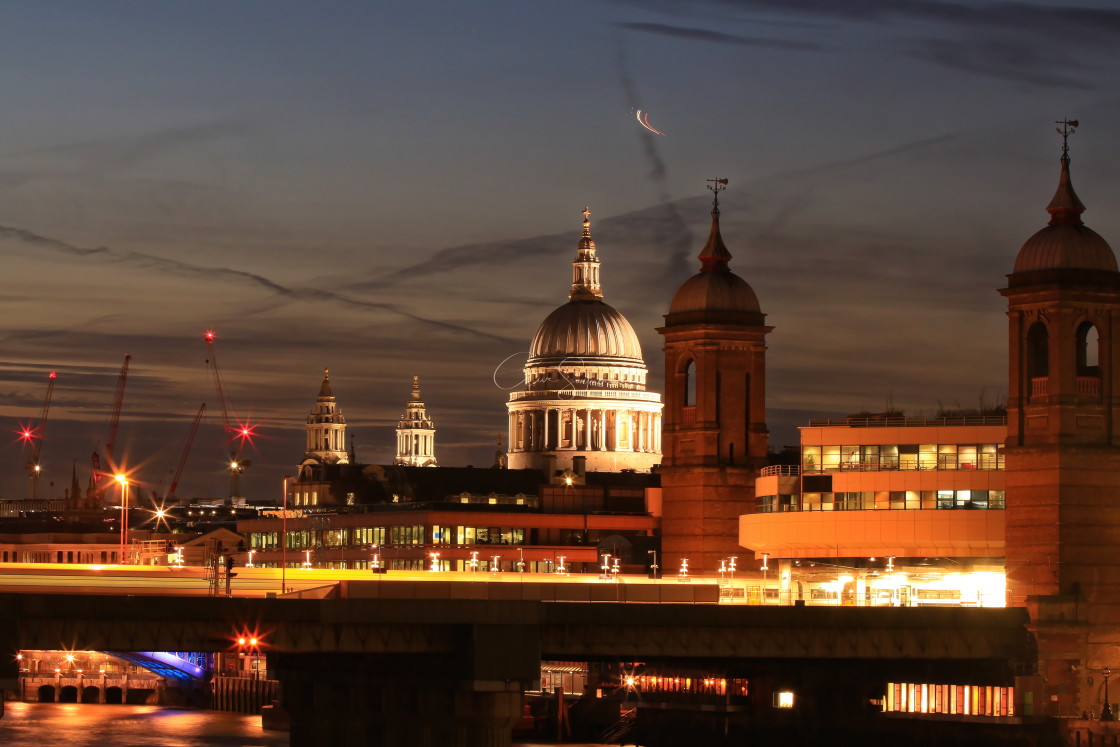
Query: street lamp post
point(1106, 711)
point(123, 480)
point(284, 541)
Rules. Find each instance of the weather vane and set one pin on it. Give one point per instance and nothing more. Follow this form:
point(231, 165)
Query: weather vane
point(717, 186)
point(1068, 127)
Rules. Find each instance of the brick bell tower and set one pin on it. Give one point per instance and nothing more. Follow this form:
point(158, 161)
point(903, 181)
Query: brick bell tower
point(1063, 452)
point(714, 433)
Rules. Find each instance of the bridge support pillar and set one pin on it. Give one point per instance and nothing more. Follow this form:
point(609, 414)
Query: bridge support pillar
point(9, 665)
point(417, 700)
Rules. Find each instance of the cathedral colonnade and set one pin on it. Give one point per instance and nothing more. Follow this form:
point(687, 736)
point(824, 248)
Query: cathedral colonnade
point(555, 426)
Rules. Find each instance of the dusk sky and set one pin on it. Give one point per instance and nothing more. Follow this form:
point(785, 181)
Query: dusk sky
point(394, 188)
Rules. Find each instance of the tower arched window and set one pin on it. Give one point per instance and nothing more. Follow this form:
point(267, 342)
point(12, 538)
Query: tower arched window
point(1088, 350)
point(1038, 351)
point(690, 384)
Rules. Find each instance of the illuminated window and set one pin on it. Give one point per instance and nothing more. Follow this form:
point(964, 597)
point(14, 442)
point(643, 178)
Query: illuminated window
point(783, 699)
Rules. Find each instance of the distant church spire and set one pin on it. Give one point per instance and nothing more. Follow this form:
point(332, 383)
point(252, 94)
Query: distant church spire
point(1065, 207)
point(500, 460)
point(326, 427)
point(416, 434)
point(585, 267)
point(714, 257)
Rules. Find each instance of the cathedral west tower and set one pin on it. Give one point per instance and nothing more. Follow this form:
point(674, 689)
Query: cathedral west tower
point(416, 434)
point(1063, 451)
point(715, 434)
point(326, 428)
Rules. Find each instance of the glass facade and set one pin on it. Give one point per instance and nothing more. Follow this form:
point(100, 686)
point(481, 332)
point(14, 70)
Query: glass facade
point(890, 457)
point(883, 500)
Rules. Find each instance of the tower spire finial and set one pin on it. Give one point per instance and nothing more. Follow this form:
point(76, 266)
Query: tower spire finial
point(1068, 127)
point(716, 185)
point(714, 256)
point(1065, 207)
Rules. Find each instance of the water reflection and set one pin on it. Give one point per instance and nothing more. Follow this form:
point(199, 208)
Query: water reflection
point(77, 725)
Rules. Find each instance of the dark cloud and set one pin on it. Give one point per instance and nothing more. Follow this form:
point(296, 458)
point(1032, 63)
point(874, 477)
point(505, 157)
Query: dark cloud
point(1029, 43)
point(1051, 20)
point(1015, 60)
point(705, 35)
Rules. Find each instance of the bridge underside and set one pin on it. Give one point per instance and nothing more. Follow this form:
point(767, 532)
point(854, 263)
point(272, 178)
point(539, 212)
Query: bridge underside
point(356, 670)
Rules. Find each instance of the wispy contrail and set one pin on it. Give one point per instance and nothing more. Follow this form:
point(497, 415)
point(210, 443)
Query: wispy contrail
point(679, 239)
point(176, 267)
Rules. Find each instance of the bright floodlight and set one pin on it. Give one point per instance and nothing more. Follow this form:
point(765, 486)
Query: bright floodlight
point(122, 479)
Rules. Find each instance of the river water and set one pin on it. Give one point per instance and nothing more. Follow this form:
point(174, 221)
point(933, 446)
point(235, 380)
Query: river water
point(85, 725)
point(88, 725)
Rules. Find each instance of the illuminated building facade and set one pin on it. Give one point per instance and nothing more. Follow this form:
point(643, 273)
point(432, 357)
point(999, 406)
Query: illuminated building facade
point(326, 428)
point(715, 415)
point(472, 519)
point(887, 510)
point(416, 434)
point(1063, 451)
point(325, 474)
point(584, 405)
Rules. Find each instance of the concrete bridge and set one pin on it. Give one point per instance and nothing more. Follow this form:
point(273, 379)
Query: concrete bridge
point(391, 668)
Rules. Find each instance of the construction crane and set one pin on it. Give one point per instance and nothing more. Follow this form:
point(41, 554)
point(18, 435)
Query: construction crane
point(96, 490)
point(170, 496)
point(236, 429)
point(31, 433)
point(115, 416)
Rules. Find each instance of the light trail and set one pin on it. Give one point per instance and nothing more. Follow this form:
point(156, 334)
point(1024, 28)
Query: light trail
point(643, 120)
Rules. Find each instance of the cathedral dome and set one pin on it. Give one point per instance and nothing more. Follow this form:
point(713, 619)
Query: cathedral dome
point(1067, 243)
point(585, 329)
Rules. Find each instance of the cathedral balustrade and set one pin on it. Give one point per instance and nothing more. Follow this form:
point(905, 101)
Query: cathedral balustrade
point(567, 394)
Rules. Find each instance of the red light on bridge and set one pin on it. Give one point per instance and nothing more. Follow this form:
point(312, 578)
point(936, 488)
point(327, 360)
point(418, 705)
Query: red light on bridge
point(248, 641)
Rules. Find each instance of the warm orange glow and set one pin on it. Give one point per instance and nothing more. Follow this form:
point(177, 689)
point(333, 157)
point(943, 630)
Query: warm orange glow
point(122, 479)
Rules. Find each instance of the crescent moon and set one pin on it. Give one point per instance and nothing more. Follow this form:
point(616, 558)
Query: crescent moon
point(643, 120)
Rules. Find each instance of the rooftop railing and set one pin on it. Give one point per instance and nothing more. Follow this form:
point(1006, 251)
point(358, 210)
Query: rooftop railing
point(780, 470)
point(873, 422)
